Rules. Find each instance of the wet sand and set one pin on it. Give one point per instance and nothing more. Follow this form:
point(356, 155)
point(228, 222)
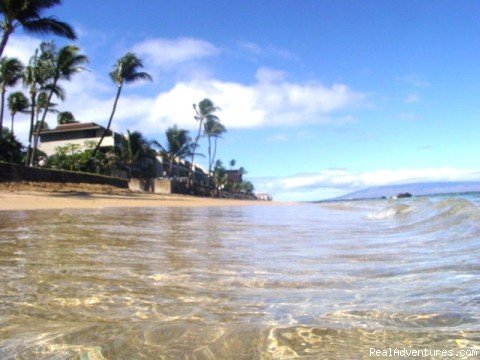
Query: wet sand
point(25, 196)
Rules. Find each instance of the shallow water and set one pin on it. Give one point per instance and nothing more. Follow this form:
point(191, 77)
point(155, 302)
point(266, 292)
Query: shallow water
point(312, 281)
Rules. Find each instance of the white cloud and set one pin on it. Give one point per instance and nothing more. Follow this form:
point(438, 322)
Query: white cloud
point(21, 47)
point(341, 181)
point(166, 53)
point(270, 101)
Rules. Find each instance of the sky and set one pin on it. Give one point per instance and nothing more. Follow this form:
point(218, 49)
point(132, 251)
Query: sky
point(320, 98)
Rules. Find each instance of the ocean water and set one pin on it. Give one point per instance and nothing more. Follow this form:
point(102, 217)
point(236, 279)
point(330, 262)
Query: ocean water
point(307, 281)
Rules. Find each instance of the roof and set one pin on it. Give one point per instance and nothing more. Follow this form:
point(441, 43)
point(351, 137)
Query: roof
point(73, 127)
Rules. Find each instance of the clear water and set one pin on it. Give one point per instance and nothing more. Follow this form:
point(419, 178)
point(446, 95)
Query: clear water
point(310, 281)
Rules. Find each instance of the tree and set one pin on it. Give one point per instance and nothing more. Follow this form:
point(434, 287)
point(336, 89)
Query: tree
point(212, 129)
point(124, 72)
point(61, 65)
point(219, 175)
point(136, 152)
point(10, 148)
point(232, 163)
point(203, 112)
point(17, 103)
point(42, 104)
point(65, 117)
point(33, 79)
point(11, 70)
point(179, 146)
point(28, 15)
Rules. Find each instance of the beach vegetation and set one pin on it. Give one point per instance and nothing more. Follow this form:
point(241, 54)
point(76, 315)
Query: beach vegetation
point(74, 157)
point(33, 80)
point(57, 65)
point(65, 117)
point(204, 111)
point(213, 129)
point(17, 102)
point(11, 149)
point(27, 14)
point(179, 147)
point(137, 155)
point(11, 70)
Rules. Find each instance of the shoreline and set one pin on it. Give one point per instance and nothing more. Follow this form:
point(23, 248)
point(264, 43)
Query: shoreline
point(44, 196)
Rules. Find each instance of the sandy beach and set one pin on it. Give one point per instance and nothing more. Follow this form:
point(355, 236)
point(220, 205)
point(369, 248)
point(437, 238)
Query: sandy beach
point(36, 196)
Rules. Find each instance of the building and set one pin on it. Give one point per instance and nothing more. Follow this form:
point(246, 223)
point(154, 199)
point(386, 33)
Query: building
point(263, 196)
point(78, 134)
point(234, 176)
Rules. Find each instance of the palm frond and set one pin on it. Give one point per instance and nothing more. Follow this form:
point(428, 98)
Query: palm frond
point(50, 25)
point(138, 76)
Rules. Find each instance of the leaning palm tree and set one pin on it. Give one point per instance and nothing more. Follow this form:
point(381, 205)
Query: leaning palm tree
point(124, 72)
point(62, 65)
point(11, 70)
point(17, 102)
point(203, 112)
point(213, 129)
point(27, 14)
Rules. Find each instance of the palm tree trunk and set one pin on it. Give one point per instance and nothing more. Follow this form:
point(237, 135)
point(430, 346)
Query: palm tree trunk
point(109, 122)
point(194, 148)
point(209, 154)
point(214, 152)
point(170, 169)
point(32, 119)
point(11, 128)
point(3, 42)
point(2, 104)
point(40, 126)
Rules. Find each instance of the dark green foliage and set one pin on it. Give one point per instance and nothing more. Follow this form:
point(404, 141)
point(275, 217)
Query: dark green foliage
point(137, 155)
point(179, 147)
point(17, 103)
point(28, 15)
point(11, 149)
point(71, 157)
point(65, 117)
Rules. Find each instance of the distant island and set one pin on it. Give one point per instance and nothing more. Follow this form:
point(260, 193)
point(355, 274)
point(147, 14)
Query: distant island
point(417, 189)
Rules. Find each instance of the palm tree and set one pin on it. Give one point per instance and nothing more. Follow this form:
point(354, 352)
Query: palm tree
point(232, 163)
point(136, 151)
point(42, 103)
point(203, 112)
point(65, 117)
point(33, 78)
point(124, 72)
point(27, 14)
point(62, 65)
point(212, 129)
point(179, 146)
point(11, 70)
point(17, 102)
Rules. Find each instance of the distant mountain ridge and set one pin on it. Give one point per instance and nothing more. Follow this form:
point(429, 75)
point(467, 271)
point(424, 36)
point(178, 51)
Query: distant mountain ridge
point(416, 189)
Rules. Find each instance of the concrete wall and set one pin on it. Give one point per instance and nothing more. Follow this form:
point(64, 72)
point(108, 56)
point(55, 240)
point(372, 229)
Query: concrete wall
point(163, 186)
point(141, 185)
point(14, 172)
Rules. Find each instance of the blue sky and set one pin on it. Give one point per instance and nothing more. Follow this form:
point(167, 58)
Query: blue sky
point(320, 98)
